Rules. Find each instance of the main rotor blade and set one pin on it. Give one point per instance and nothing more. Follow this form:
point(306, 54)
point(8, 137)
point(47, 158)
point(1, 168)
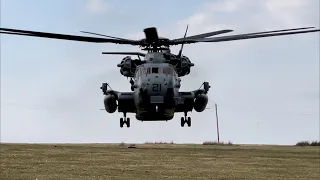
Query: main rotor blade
point(66, 36)
point(281, 30)
point(128, 53)
point(3, 32)
point(106, 36)
point(248, 36)
point(204, 35)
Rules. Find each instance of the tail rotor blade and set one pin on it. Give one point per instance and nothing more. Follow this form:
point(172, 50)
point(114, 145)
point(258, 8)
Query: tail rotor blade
point(151, 34)
point(185, 34)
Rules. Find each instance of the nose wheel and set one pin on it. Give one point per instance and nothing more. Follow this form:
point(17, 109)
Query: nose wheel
point(124, 120)
point(185, 120)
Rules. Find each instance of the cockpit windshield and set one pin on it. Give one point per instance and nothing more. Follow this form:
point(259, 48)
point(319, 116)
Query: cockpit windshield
point(156, 70)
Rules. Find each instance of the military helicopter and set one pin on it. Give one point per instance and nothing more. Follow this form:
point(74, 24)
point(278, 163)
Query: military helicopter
point(155, 80)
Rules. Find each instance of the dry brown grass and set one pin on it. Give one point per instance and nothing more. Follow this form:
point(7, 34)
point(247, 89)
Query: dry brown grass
point(160, 142)
point(158, 161)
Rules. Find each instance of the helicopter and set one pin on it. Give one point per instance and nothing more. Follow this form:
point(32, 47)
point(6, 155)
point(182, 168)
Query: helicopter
point(155, 80)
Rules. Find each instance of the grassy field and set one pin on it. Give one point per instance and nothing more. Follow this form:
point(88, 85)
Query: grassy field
point(158, 161)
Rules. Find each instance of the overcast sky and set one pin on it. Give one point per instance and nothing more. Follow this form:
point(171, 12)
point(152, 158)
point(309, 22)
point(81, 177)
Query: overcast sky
point(267, 89)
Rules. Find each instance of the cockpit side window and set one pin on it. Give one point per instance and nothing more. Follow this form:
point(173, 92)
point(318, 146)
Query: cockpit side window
point(144, 70)
point(167, 70)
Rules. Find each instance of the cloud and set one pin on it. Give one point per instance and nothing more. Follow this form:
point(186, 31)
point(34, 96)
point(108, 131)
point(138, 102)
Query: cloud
point(97, 6)
point(229, 6)
point(294, 12)
point(254, 15)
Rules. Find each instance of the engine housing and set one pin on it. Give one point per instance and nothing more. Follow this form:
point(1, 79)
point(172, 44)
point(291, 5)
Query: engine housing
point(126, 68)
point(110, 103)
point(200, 102)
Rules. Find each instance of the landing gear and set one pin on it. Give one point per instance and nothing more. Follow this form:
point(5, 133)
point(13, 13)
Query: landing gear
point(132, 84)
point(124, 120)
point(185, 119)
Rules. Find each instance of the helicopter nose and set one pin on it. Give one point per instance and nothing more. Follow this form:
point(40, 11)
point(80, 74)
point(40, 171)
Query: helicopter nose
point(158, 84)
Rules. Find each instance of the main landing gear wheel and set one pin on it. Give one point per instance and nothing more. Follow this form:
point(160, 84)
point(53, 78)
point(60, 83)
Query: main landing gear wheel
point(189, 121)
point(182, 121)
point(185, 119)
point(124, 121)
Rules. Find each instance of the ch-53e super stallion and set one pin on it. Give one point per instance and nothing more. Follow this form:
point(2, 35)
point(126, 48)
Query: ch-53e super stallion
point(155, 79)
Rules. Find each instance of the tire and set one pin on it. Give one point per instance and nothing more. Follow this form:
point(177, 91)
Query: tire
point(189, 121)
point(182, 121)
point(121, 122)
point(128, 122)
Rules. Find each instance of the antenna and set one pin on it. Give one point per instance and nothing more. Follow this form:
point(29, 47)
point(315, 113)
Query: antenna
point(217, 119)
point(185, 34)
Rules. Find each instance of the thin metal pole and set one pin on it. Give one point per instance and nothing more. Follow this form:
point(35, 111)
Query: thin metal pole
point(217, 119)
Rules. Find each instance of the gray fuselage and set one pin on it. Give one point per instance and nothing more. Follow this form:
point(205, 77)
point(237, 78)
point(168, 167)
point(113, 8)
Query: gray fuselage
point(156, 89)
